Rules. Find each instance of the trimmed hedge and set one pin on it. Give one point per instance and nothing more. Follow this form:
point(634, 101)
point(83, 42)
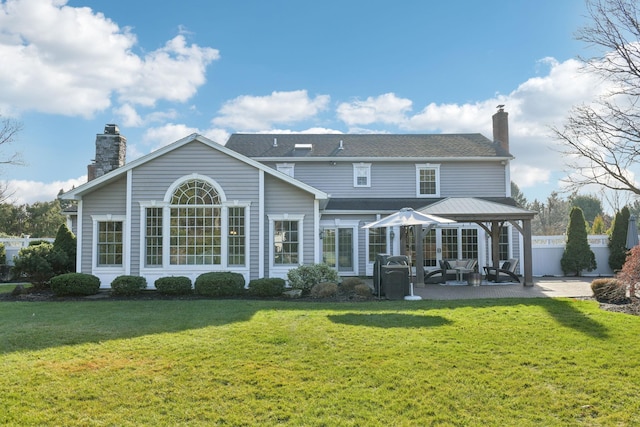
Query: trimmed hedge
point(306, 276)
point(128, 285)
point(174, 285)
point(75, 284)
point(266, 287)
point(219, 284)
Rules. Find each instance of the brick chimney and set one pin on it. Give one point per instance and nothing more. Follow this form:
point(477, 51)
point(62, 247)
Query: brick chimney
point(111, 149)
point(501, 128)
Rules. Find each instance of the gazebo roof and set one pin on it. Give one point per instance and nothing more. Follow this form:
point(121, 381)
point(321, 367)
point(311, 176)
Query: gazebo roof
point(465, 209)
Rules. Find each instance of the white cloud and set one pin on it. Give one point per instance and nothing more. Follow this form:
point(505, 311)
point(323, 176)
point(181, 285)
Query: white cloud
point(386, 108)
point(157, 137)
point(67, 60)
point(527, 176)
point(29, 192)
point(255, 113)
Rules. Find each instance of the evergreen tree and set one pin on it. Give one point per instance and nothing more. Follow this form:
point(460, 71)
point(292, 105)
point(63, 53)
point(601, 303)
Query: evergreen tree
point(618, 240)
point(577, 254)
point(66, 242)
point(598, 226)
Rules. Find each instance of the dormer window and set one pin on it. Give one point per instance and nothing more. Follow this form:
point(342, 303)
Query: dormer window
point(362, 174)
point(427, 180)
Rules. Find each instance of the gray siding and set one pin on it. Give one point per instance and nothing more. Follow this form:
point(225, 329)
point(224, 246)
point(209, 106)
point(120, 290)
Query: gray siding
point(280, 198)
point(398, 179)
point(238, 180)
point(111, 199)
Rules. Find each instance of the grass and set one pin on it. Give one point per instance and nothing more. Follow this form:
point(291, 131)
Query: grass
point(229, 362)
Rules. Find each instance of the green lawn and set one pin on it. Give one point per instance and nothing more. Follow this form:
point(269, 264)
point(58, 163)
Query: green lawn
point(243, 363)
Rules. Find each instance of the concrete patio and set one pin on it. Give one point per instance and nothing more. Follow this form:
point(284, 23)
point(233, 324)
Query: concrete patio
point(544, 287)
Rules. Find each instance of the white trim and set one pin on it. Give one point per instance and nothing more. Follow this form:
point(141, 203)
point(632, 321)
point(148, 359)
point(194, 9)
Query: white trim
point(281, 270)
point(362, 167)
point(95, 268)
point(427, 166)
point(316, 232)
point(78, 192)
point(178, 182)
point(127, 224)
point(79, 234)
point(353, 224)
point(261, 251)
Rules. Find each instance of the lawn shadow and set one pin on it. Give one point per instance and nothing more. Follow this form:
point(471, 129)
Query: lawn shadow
point(30, 326)
point(561, 309)
point(389, 320)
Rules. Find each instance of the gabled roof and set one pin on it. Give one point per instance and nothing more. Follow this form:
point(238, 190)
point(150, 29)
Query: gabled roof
point(464, 209)
point(78, 192)
point(362, 146)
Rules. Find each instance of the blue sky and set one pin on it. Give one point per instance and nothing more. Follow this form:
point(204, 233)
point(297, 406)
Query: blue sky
point(164, 70)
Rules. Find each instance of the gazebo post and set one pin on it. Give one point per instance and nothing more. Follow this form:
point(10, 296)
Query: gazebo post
point(419, 261)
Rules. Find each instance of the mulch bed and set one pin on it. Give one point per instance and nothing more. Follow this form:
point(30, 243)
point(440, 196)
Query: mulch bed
point(629, 307)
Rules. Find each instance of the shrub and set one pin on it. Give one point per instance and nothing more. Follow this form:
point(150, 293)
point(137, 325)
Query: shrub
point(363, 290)
point(609, 290)
point(267, 287)
point(66, 242)
point(174, 285)
point(39, 263)
point(219, 284)
point(630, 273)
point(3, 254)
point(305, 276)
point(349, 284)
point(75, 284)
point(128, 285)
point(324, 290)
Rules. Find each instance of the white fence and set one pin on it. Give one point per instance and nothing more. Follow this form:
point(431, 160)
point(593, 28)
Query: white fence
point(547, 252)
point(13, 245)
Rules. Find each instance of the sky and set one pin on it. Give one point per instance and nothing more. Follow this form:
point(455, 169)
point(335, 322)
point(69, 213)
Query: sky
point(164, 70)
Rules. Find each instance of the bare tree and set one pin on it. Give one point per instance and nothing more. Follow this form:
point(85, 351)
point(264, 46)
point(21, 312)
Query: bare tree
point(601, 139)
point(9, 129)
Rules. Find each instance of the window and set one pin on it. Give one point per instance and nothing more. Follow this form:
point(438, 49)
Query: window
point(286, 242)
point(286, 168)
point(428, 180)
point(236, 236)
point(109, 243)
point(503, 243)
point(362, 174)
point(377, 242)
point(469, 243)
point(430, 248)
point(449, 243)
point(153, 237)
point(195, 224)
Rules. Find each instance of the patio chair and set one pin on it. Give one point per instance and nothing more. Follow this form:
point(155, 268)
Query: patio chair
point(503, 274)
point(447, 270)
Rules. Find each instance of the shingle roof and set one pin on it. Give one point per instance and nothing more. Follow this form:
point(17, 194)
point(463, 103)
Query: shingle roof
point(365, 145)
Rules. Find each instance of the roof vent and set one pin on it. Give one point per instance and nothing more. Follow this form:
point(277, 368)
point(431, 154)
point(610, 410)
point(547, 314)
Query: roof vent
point(304, 147)
point(341, 147)
point(275, 142)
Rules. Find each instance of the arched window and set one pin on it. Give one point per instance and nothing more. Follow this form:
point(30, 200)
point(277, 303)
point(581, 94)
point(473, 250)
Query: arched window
point(195, 224)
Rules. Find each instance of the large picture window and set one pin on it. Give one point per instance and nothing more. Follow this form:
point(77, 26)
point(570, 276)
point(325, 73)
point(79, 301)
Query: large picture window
point(195, 225)
point(109, 243)
point(427, 180)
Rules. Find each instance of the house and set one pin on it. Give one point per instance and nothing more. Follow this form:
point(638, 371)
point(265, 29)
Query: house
point(265, 203)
